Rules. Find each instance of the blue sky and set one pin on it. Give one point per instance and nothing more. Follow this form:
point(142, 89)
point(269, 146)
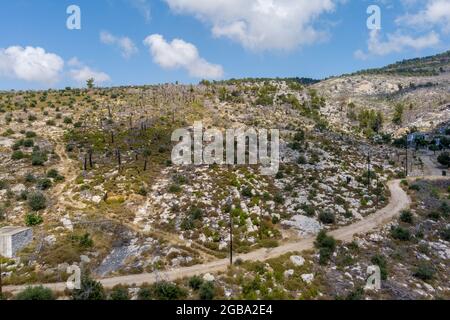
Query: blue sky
point(130, 42)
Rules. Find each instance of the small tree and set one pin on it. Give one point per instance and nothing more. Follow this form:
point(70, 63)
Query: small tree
point(90, 83)
point(37, 201)
point(36, 293)
point(398, 114)
point(33, 219)
point(119, 293)
point(90, 290)
point(326, 245)
point(444, 159)
point(207, 291)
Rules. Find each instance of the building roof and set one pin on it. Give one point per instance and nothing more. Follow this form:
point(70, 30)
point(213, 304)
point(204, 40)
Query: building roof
point(9, 231)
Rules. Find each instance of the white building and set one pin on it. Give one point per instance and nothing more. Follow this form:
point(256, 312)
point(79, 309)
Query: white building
point(13, 239)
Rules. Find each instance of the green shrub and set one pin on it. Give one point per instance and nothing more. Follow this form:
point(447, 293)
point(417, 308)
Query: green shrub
point(33, 219)
point(30, 134)
point(52, 173)
point(247, 192)
point(119, 293)
point(445, 234)
point(195, 282)
point(37, 201)
point(44, 184)
point(90, 290)
point(167, 291)
point(29, 177)
point(434, 215)
point(327, 217)
point(38, 158)
point(381, 262)
point(424, 272)
point(35, 293)
point(28, 143)
point(406, 217)
point(357, 294)
point(400, 233)
point(67, 120)
point(17, 155)
point(174, 188)
point(207, 291)
point(326, 245)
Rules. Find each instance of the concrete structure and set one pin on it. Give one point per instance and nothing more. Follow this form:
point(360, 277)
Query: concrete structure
point(13, 239)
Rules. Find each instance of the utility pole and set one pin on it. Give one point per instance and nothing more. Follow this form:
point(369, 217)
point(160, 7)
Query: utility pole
point(368, 170)
point(406, 165)
point(229, 204)
point(1, 283)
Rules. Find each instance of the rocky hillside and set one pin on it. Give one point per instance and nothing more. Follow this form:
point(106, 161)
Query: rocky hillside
point(411, 93)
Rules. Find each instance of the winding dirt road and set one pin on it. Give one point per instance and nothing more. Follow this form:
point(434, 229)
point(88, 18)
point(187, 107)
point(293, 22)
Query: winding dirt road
point(398, 202)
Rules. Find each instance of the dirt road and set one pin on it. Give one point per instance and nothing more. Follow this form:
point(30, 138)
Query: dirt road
point(398, 202)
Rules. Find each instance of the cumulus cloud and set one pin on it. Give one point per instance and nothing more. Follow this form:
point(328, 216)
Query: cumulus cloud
point(180, 54)
point(31, 64)
point(81, 73)
point(125, 44)
point(435, 13)
point(396, 43)
point(260, 24)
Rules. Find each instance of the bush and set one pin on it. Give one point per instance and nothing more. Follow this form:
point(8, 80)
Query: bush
point(119, 293)
point(406, 217)
point(195, 282)
point(30, 134)
point(29, 177)
point(44, 184)
point(167, 291)
point(434, 215)
point(326, 245)
point(17, 155)
point(400, 233)
point(28, 143)
point(424, 272)
point(37, 201)
point(35, 293)
point(381, 262)
point(247, 192)
point(444, 159)
point(33, 219)
point(38, 158)
point(445, 234)
point(67, 120)
point(90, 290)
point(327, 217)
point(52, 173)
point(357, 294)
point(174, 188)
point(207, 291)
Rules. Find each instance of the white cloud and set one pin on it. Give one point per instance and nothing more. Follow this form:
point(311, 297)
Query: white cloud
point(260, 24)
point(181, 54)
point(74, 62)
point(32, 64)
point(125, 44)
point(396, 43)
point(435, 13)
point(81, 73)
